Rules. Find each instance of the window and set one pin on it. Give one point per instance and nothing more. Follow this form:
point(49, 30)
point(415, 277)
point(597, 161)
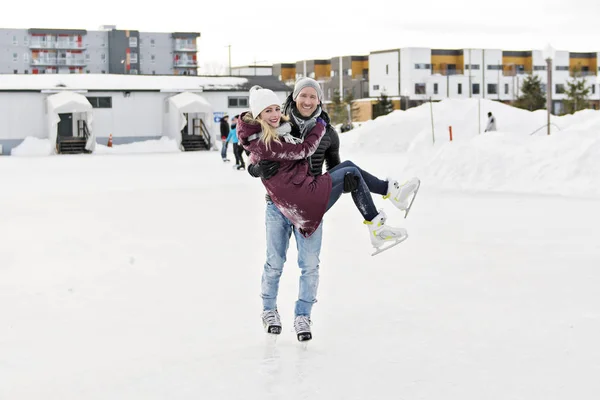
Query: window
point(26, 71)
point(559, 88)
point(494, 67)
point(506, 88)
point(25, 40)
point(543, 87)
point(152, 58)
point(103, 72)
point(459, 88)
point(133, 58)
point(419, 88)
point(539, 67)
point(387, 69)
point(26, 57)
point(593, 86)
point(133, 41)
point(520, 69)
point(87, 56)
point(100, 102)
point(87, 71)
point(103, 58)
point(562, 68)
point(133, 71)
point(476, 88)
point(15, 40)
point(492, 88)
point(435, 88)
point(15, 71)
point(375, 87)
point(472, 66)
point(152, 44)
point(349, 72)
point(239, 101)
point(422, 66)
point(15, 57)
point(333, 73)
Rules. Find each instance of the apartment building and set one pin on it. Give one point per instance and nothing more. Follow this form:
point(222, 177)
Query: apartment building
point(415, 75)
point(106, 51)
point(354, 71)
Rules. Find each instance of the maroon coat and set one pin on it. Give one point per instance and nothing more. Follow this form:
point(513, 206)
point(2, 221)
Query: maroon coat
point(301, 197)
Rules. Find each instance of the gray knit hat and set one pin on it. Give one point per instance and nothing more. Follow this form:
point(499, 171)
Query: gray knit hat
point(307, 82)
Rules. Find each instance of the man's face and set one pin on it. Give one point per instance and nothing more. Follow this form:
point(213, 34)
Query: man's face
point(307, 101)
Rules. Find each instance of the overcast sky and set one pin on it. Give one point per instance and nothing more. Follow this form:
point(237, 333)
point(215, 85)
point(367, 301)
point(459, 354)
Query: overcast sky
point(275, 31)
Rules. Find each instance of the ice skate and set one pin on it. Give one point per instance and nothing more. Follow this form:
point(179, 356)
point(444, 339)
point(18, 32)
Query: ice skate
point(302, 327)
point(384, 237)
point(403, 195)
point(271, 322)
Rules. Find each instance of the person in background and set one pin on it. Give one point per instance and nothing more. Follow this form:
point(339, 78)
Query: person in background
point(224, 128)
point(237, 149)
point(491, 125)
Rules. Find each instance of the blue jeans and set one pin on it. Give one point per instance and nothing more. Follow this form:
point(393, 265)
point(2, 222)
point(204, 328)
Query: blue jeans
point(367, 184)
point(279, 231)
point(223, 149)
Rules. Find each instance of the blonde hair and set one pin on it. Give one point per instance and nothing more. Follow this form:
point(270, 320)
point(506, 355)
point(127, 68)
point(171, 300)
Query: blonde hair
point(269, 133)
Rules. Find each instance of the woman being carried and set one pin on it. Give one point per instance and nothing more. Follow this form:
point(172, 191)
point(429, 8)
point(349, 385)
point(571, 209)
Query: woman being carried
point(304, 198)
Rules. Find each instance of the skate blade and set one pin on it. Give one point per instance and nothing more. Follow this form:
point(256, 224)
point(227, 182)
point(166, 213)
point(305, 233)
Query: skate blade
point(389, 246)
point(412, 199)
point(273, 330)
point(304, 336)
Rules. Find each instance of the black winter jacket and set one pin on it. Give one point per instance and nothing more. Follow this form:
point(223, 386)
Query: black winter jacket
point(328, 151)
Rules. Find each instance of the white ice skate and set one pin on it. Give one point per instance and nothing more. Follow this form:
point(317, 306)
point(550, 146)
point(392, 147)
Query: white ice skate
point(302, 327)
point(403, 195)
point(384, 237)
point(271, 322)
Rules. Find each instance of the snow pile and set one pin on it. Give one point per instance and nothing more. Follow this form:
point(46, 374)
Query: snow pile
point(32, 146)
point(512, 159)
point(162, 145)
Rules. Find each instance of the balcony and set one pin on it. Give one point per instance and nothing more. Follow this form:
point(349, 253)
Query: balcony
point(45, 61)
point(446, 72)
point(580, 74)
point(185, 47)
point(60, 44)
point(72, 62)
point(53, 61)
point(185, 63)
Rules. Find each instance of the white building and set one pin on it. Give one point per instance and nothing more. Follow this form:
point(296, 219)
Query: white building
point(419, 74)
point(131, 108)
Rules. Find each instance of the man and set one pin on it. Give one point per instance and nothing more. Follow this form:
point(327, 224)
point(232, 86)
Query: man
point(491, 125)
point(224, 127)
point(303, 106)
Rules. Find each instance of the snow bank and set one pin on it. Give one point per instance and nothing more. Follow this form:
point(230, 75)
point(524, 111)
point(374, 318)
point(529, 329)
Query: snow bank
point(32, 146)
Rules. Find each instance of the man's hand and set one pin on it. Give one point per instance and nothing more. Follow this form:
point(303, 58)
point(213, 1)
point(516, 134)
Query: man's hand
point(350, 182)
point(264, 169)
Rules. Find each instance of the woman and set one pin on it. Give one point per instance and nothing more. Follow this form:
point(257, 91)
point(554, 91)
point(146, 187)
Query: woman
point(304, 198)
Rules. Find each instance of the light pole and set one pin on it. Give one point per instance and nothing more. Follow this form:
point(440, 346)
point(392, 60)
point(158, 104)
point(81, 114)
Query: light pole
point(548, 53)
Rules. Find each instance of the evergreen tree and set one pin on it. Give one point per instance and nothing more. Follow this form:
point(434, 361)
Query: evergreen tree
point(337, 109)
point(532, 97)
point(384, 106)
point(577, 94)
point(348, 102)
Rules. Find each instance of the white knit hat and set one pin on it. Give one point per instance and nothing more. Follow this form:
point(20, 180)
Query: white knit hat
point(262, 98)
point(304, 83)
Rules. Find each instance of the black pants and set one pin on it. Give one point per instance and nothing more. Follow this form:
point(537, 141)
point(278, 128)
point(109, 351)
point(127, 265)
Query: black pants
point(237, 152)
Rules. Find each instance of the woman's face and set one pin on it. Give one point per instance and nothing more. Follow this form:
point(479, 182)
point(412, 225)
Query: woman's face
point(271, 115)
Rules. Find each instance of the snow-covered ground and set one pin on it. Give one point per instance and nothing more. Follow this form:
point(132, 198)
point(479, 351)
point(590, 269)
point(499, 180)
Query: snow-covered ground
point(137, 276)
